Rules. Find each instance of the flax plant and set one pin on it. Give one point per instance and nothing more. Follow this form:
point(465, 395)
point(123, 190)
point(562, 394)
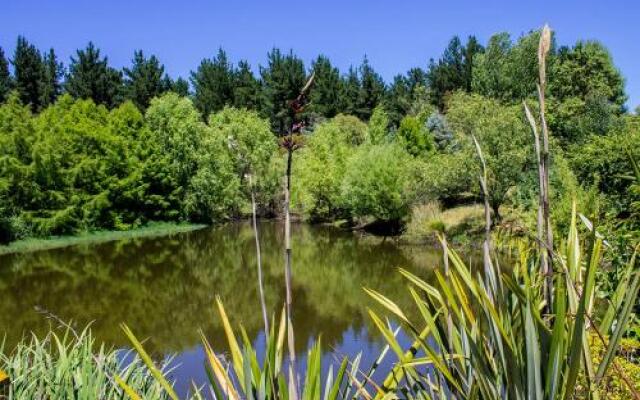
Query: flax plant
point(521, 333)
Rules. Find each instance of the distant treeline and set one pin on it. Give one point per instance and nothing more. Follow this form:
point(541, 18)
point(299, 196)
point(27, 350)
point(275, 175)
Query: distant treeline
point(581, 77)
point(87, 146)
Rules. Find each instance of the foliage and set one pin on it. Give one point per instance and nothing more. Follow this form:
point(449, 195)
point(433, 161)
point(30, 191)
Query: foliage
point(372, 90)
point(91, 77)
point(77, 166)
point(282, 80)
point(442, 134)
point(245, 377)
point(175, 135)
point(414, 137)
point(29, 71)
point(604, 161)
point(214, 192)
point(574, 120)
point(325, 97)
point(454, 70)
point(144, 80)
point(213, 84)
point(72, 366)
point(507, 71)
point(448, 177)
point(320, 169)
point(246, 88)
point(379, 182)
point(587, 70)
point(487, 337)
point(5, 77)
point(246, 146)
point(379, 125)
point(503, 136)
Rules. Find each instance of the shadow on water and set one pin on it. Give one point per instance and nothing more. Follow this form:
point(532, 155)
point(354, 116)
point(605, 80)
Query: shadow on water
point(164, 289)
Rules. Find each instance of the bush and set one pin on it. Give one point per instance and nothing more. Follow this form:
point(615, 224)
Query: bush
point(321, 165)
point(449, 178)
point(379, 183)
point(604, 161)
point(502, 134)
point(414, 136)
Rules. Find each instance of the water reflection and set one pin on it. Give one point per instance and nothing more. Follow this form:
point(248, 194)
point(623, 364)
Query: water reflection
point(164, 288)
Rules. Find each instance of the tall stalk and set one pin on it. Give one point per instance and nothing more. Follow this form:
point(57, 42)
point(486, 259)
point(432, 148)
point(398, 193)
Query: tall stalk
point(297, 107)
point(263, 302)
point(544, 230)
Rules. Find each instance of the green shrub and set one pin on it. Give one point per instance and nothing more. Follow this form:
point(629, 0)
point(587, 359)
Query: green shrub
point(379, 182)
point(320, 167)
point(414, 137)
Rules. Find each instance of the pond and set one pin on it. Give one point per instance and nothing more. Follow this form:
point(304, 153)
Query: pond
point(164, 288)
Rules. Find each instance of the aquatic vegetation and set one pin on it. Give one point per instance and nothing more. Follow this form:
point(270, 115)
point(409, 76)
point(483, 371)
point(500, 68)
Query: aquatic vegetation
point(71, 366)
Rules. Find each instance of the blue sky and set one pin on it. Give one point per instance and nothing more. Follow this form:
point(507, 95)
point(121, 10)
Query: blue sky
point(394, 35)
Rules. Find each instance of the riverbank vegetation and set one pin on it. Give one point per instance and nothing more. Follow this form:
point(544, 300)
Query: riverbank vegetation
point(141, 147)
point(94, 237)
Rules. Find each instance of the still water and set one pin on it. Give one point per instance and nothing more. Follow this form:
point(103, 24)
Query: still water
point(164, 288)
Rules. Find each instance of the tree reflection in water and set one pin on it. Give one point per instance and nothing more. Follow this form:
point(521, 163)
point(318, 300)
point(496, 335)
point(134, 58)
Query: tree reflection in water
point(164, 288)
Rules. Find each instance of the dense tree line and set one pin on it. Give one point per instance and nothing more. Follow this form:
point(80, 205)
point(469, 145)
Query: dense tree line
point(89, 146)
point(583, 78)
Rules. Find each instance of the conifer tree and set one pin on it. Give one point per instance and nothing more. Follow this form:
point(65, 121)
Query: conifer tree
point(213, 84)
point(398, 99)
point(29, 74)
point(372, 90)
point(454, 70)
point(283, 78)
point(246, 88)
point(90, 77)
point(145, 80)
point(350, 92)
point(5, 77)
point(53, 73)
point(416, 77)
point(325, 96)
point(180, 86)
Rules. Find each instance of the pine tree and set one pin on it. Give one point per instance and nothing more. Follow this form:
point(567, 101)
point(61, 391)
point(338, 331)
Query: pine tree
point(372, 90)
point(283, 79)
point(416, 77)
point(246, 88)
point(180, 86)
point(5, 77)
point(213, 84)
point(90, 77)
point(29, 73)
point(454, 70)
point(53, 72)
point(398, 99)
point(145, 80)
point(350, 92)
point(325, 96)
point(471, 49)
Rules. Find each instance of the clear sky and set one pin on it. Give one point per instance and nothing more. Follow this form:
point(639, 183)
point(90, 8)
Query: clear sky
point(395, 35)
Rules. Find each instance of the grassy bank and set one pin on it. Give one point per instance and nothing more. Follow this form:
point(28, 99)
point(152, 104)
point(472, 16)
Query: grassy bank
point(53, 242)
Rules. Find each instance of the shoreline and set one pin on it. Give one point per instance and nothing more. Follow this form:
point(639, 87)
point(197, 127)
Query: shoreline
point(153, 229)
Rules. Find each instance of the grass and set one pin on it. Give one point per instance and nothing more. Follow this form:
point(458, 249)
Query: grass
point(71, 366)
point(53, 242)
point(429, 219)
